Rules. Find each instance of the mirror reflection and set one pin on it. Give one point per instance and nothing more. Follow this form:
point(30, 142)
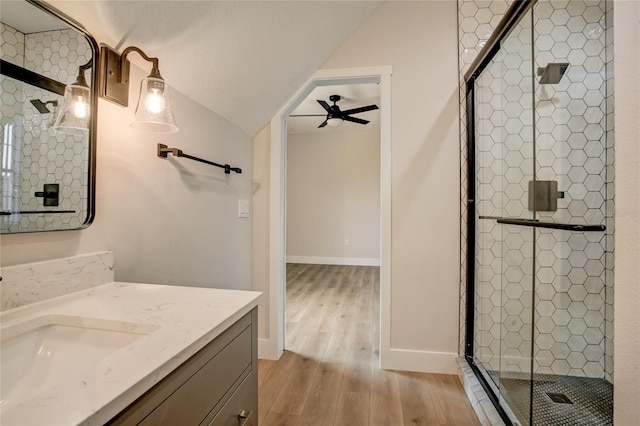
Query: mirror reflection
point(47, 116)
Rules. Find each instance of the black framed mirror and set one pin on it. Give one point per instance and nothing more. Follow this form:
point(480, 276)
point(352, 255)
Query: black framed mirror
point(48, 115)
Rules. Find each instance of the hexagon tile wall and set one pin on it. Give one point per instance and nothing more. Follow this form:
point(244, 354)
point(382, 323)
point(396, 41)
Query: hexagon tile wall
point(476, 21)
point(573, 132)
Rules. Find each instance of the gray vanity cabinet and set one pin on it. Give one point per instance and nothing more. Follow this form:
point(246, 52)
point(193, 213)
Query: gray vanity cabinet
point(218, 386)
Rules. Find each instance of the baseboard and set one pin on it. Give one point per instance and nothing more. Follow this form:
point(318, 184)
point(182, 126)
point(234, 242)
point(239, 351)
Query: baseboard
point(349, 261)
point(267, 349)
point(420, 361)
point(393, 359)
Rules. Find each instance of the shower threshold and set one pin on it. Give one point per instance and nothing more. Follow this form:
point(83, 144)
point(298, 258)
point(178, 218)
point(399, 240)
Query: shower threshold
point(580, 400)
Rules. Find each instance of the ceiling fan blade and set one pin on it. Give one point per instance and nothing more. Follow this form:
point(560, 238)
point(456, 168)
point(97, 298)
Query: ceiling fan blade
point(324, 105)
point(324, 123)
point(361, 109)
point(355, 120)
point(308, 115)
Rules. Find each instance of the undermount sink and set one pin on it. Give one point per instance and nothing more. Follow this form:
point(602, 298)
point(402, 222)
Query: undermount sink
point(42, 353)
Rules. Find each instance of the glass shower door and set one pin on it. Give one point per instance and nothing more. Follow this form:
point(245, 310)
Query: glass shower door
point(504, 254)
point(518, 242)
point(542, 216)
point(572, 94)
point(542, 255)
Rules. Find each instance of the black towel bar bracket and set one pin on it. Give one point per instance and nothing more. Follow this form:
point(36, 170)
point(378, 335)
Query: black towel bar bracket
point(164, 151)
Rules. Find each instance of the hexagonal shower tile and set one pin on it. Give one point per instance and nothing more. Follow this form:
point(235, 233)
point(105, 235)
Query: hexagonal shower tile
point(574, 147)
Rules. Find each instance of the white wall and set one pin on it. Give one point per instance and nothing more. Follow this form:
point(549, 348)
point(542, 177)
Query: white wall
point(333, 195)
point(626, 29)
point(419, 40)
point(168, 221)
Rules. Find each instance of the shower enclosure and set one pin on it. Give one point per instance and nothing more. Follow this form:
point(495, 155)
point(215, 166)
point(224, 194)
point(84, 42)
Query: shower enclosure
point(540, 236)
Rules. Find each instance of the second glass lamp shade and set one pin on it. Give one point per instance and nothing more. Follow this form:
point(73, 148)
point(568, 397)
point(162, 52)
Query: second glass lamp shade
point(75, 112)
point(154, 112)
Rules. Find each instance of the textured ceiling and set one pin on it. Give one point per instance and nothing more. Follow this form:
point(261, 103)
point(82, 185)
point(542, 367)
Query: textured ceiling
point(241, 59)
point(353, 96)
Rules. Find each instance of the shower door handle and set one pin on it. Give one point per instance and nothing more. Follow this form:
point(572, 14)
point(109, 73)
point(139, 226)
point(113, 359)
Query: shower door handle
point(551, 225)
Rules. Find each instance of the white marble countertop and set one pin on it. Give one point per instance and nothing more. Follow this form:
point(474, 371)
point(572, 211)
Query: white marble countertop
point(182, 319)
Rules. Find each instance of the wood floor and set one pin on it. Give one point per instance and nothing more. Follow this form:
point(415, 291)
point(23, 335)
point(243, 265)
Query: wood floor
point(328, 375)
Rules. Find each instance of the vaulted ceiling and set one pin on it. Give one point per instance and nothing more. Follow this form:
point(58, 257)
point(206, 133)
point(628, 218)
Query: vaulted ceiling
point(241, 59)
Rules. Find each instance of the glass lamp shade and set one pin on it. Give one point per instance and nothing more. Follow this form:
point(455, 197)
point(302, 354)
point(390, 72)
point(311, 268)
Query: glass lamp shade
point(154, 112)
point(75, 112)
point(334, 121)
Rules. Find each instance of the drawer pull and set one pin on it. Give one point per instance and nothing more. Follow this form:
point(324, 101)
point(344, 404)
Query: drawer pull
point(244, 418)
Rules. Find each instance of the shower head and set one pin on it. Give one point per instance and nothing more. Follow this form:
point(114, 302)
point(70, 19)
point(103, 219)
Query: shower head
point(552, 73)
point(42, 106)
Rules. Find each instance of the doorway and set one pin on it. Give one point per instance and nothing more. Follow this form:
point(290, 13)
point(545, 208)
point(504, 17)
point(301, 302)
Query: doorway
point(333, 218)
point(277, 267)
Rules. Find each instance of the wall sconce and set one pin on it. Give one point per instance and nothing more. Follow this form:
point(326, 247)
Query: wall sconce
point(153, 111)
point(73, 117)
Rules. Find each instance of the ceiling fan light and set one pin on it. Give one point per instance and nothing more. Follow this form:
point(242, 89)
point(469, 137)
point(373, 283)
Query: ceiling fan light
point(334, 121)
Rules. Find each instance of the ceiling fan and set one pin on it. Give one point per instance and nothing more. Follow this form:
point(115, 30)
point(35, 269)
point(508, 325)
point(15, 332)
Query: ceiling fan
point(335, 116)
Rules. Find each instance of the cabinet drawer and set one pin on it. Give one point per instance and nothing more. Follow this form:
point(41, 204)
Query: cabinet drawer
point(192, 401)
point(198, 388)
point(244, 400)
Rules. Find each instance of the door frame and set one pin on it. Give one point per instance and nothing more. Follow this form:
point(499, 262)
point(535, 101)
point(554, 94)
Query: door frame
point(277, 203)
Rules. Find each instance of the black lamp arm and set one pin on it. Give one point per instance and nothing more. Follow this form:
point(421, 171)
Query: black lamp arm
point(80, 80)
point(155, 71)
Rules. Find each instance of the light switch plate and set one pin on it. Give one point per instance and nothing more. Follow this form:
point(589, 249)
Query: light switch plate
point(243, 208)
